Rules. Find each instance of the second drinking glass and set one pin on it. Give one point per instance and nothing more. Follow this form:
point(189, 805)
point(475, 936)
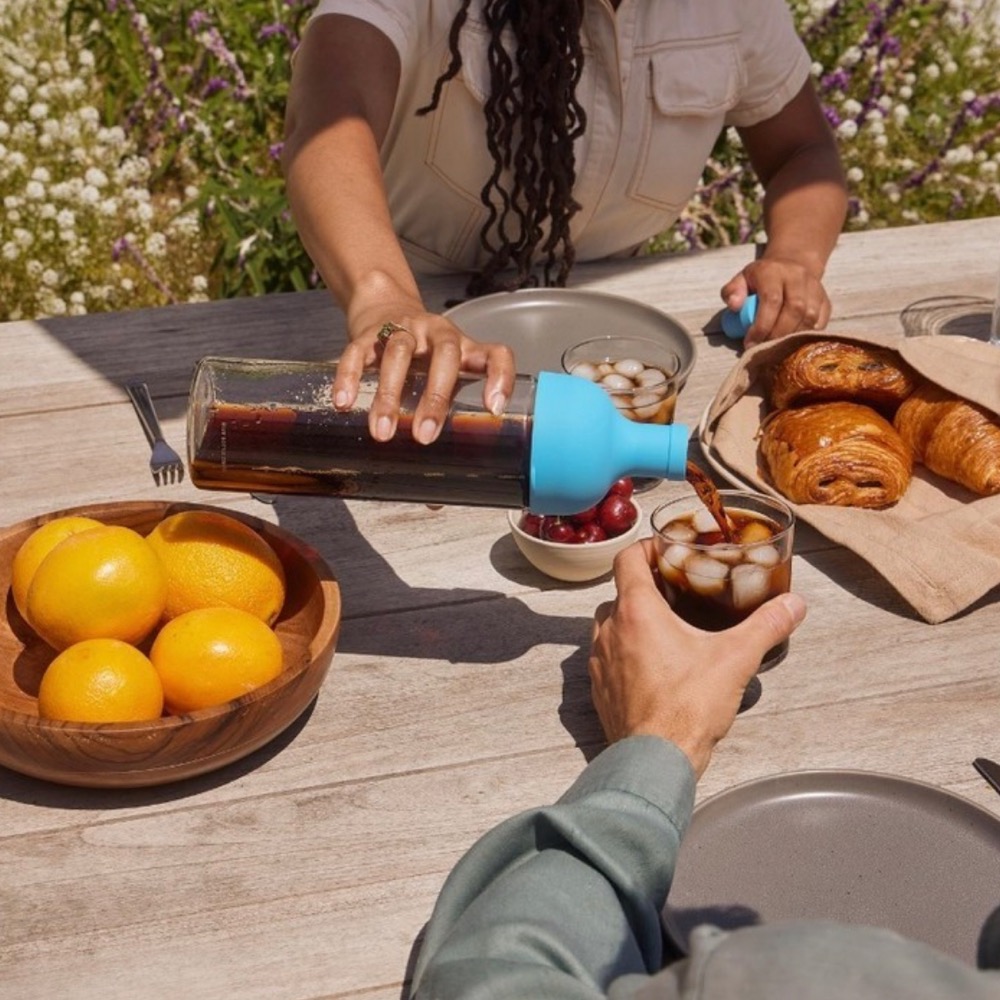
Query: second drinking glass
point(714, 582)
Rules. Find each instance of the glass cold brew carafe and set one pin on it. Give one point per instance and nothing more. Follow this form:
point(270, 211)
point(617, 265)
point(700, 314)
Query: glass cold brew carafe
point(271, 427)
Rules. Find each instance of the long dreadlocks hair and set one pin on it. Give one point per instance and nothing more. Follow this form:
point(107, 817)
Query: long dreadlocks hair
point(532, 120)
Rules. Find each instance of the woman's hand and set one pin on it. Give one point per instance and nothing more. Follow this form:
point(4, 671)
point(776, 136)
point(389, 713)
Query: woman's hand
point(789, 298)
point(402, 334)
point(653, 674)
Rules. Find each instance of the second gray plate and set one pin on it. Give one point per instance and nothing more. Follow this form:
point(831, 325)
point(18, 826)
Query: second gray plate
point(540, 323)
point(853, 846)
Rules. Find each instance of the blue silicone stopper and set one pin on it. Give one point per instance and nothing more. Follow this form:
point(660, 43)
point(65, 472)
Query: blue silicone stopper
point(580, 444)
point(736, 323)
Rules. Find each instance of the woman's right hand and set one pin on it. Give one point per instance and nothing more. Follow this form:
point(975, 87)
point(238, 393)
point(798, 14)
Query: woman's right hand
point(409, 335)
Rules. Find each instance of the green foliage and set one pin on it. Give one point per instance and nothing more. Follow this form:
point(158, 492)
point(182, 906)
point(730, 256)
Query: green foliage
point(912, 91)
point(202, 88)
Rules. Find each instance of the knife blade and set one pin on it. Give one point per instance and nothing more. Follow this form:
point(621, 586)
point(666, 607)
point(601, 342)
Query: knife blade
point(989, 769)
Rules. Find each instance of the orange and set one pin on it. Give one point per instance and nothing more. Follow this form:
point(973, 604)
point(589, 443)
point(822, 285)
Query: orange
point(100, 680)
point(214, 560)
point(104, 583)
point(36, 547)
point(209, 656)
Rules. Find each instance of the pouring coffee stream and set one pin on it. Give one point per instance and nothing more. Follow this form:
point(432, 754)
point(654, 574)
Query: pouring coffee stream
point(709, 496)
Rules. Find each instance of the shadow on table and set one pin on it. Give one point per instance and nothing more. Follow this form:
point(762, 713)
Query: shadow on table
point(21, 788)
point(454, 625)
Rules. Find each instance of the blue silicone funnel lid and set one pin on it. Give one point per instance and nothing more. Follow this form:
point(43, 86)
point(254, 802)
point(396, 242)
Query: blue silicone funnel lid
point(580, 444)
point(735, 323)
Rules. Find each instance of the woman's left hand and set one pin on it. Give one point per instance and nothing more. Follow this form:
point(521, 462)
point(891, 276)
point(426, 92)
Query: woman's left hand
point(789, 298)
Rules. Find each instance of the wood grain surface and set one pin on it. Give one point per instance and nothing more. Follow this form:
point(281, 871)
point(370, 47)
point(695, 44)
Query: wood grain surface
point(458, 692)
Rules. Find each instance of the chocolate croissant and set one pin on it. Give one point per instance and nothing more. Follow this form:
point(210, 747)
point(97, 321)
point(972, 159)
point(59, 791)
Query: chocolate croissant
point(826, 370)
point(952, 437)
point(842, 454)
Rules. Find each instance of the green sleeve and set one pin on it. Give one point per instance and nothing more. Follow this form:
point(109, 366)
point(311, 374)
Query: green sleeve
point(560, 901)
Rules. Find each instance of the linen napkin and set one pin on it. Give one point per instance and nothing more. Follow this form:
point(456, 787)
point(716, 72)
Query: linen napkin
point(939, 546)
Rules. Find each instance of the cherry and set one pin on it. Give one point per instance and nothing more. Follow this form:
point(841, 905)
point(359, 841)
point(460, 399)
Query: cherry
point(531, 524)
point(585, 516)
point(621, 487)
point(590, 532)
point(616, 514)
point(557, 530)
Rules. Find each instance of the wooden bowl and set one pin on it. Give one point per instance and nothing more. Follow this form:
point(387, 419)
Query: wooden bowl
point(127, 754)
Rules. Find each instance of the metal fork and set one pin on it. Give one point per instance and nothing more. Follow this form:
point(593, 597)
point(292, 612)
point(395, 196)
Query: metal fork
point(164, 463)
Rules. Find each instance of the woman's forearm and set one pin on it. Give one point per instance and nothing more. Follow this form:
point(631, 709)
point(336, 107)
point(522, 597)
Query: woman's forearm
point(340, 104)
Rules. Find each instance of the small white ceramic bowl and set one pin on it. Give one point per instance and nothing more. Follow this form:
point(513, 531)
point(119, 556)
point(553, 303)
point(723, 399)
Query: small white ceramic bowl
point(572, 562)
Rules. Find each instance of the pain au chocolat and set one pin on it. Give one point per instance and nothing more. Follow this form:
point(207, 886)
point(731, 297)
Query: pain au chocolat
point(952, 437)
point(842, 454)
point(828, 370)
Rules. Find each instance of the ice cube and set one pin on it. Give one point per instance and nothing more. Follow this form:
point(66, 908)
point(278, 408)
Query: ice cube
point(755, 531)
point(763, 555)
point(650, 376)
point(629, 367)
point(705, 575)
point(668, 565)
point(584, 369)
point(679, 531)
point(645, 405)
point(614, 382)
point(751, 584)
point(703, 521)
point(729, 554)
point(604, 368)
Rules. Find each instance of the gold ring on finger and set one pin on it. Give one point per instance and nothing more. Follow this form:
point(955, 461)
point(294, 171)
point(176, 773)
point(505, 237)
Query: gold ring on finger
point(386, 330)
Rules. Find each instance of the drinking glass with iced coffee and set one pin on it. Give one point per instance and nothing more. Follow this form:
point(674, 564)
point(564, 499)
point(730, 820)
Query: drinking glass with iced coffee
point(714, 578)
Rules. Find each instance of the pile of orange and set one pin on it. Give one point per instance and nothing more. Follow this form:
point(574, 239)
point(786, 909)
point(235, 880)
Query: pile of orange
point(177, 620)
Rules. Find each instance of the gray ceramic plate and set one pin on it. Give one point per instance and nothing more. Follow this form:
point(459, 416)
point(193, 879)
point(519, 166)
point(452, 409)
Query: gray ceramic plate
point(540, 323)
point(853, 846)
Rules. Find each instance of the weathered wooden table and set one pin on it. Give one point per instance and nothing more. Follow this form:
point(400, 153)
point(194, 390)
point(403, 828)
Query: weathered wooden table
point(458, 693)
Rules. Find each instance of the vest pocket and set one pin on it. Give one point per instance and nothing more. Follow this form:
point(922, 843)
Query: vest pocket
point(689, 91)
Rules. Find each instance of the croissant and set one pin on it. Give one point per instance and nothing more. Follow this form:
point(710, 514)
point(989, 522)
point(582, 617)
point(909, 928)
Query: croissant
point(824, 370)
point(843, 454)
point(952, 437)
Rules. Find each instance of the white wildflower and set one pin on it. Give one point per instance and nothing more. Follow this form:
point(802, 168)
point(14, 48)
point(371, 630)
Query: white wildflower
point(851, 56)
point(847, 129)
point(156, 245)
